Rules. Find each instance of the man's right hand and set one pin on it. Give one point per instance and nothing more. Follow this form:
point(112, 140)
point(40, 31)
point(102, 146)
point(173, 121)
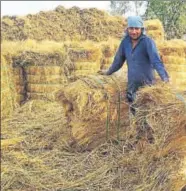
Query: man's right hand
point(102, 72)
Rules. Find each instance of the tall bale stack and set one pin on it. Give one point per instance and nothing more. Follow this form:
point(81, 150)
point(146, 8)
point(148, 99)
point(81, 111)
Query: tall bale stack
point(154, 29)
point(93, 100)
point(84, 57)
point(174, 58)
point(43, 73)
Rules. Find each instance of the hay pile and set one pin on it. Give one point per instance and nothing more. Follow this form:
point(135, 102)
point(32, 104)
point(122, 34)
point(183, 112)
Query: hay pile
point(36, 156)
point(174, 57)
point(72, 24)
point(62, 24)
point(93, 100)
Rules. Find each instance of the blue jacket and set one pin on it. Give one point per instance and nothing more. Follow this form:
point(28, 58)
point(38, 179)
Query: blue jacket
point(141, 61)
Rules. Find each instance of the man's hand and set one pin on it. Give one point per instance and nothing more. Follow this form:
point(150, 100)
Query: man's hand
point(102, 72)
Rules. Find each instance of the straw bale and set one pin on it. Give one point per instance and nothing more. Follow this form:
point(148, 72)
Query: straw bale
point(174, 60)
point(46, 71)
point(169, 48)
point(87, 100)
point(178, 81)
point(181, 43)
point(155, 98)
point(83, 72)
point(43, 88)
point(41, 96)
point(169, 125)
point(30, 57)
point(81, 54)
point(179, 75)
point(47, 79)
point(176, 68)
point(86, 66)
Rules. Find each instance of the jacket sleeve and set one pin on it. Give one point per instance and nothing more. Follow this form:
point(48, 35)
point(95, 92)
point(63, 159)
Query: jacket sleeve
point(119, 59)
point(156, 61)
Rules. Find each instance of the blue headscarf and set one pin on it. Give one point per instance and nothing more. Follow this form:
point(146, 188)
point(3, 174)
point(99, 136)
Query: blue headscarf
point(135, 21)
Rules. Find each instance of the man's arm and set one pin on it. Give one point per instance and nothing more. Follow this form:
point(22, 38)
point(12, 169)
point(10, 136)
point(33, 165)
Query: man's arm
point(156, 61)
point(119, 59)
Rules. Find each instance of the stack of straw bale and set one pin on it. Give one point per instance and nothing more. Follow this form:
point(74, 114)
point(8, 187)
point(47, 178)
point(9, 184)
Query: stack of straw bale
point(85, 58)
point(20, 58)
point(43, 73)
point(174, 57)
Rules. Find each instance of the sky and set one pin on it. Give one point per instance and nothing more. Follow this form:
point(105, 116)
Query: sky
point(22, 8)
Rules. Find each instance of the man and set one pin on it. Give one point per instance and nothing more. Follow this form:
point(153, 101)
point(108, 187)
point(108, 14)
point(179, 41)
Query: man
point(142, 58)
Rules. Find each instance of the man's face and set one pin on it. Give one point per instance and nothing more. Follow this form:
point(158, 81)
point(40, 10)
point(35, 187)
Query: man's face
point(134, 32)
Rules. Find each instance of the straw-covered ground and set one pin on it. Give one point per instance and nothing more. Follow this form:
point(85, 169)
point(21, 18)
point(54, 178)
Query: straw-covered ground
point(37, 155)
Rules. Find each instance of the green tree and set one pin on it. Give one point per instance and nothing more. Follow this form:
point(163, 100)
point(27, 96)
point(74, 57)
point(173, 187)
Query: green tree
point(170, 13)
